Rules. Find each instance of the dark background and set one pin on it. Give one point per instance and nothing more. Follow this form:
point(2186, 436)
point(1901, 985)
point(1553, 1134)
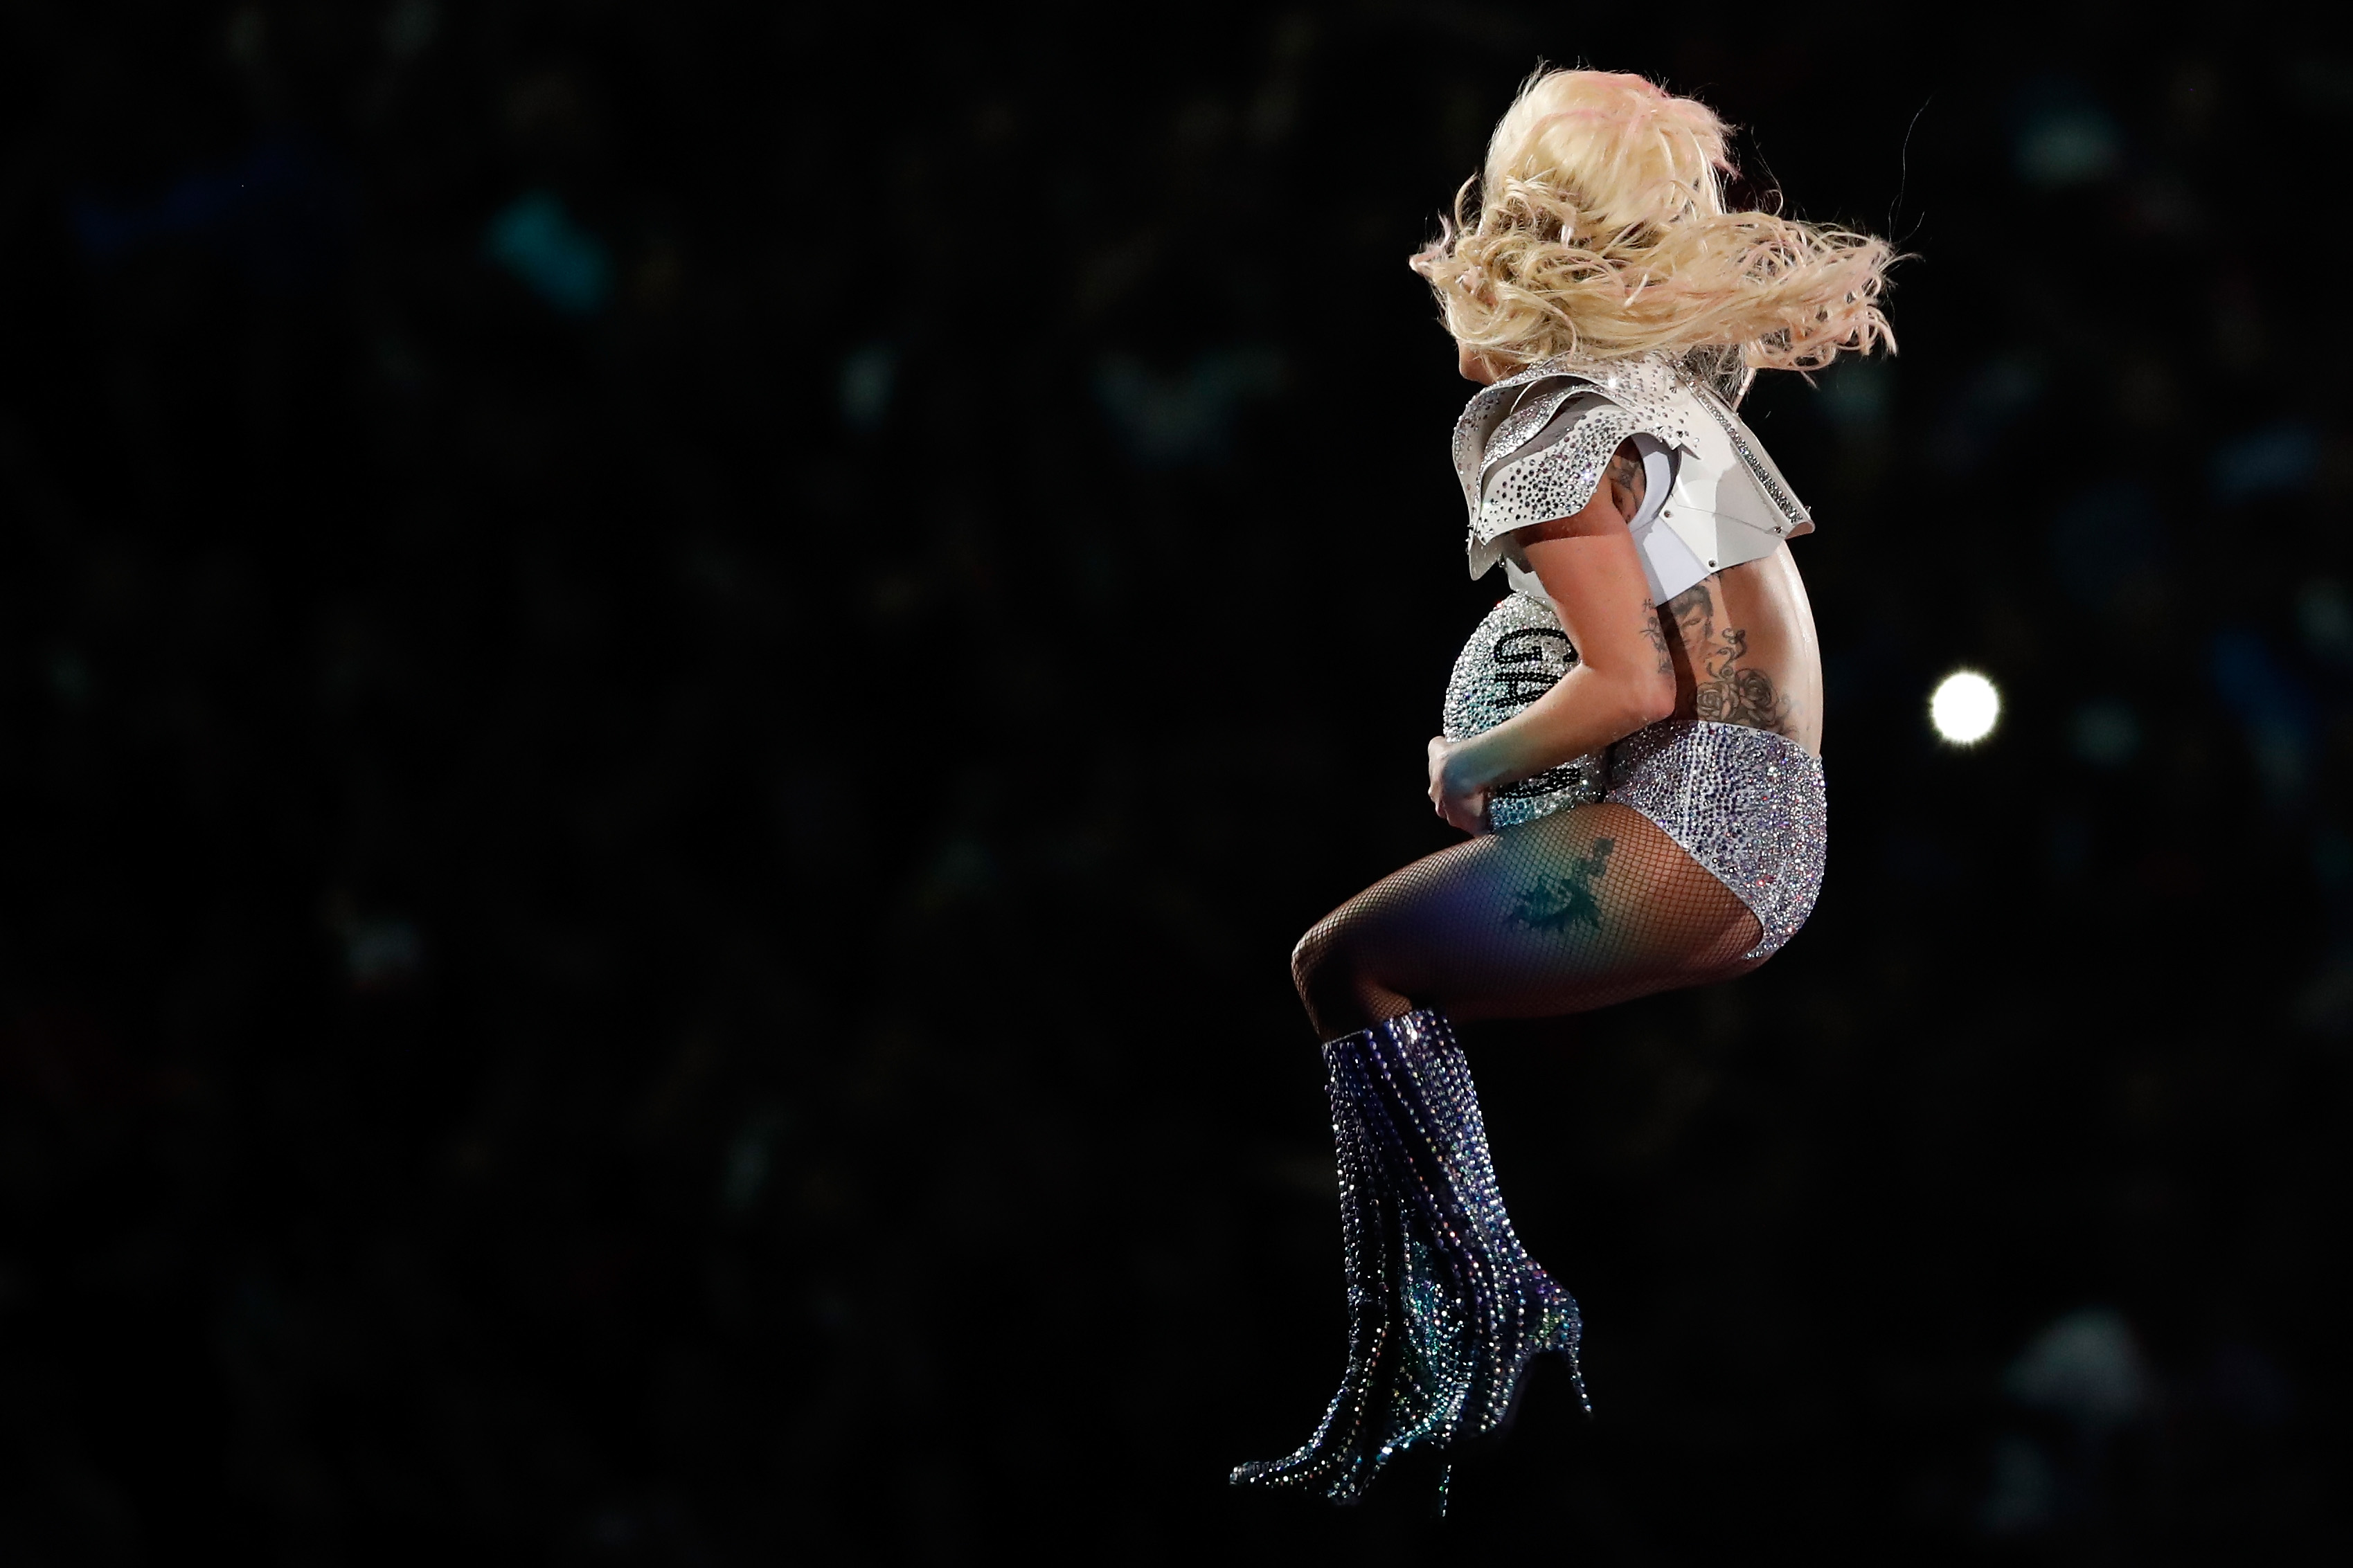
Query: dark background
point(676, 675)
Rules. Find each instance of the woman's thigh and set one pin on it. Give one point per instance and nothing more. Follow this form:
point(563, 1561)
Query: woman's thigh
point(1571, 911)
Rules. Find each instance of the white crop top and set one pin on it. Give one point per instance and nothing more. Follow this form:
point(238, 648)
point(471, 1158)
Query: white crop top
point(1533, 448)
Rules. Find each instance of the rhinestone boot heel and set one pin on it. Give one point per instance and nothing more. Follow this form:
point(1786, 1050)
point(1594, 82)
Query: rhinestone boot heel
point(1520, 1313)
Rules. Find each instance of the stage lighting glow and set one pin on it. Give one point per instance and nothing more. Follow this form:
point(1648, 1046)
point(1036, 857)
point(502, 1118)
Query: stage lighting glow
point(1965, 707)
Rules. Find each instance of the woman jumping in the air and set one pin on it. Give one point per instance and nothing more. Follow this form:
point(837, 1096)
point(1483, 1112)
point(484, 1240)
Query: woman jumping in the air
point(1633, 736)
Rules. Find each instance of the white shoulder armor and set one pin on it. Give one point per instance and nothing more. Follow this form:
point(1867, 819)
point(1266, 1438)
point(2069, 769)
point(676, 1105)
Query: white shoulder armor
point(1532, 448)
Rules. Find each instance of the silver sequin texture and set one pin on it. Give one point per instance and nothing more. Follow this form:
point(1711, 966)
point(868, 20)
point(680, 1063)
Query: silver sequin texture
point(1747, 805)
point(1556, 482)
point(1646, 394)
point(1532, 413)
point(1446, 1308)
point(1645, 387)
point(1516, 655)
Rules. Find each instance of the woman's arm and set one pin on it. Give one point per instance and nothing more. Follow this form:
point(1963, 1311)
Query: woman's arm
point(1622, 680)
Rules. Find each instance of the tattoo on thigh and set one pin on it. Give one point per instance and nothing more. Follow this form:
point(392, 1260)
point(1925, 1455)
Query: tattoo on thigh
point(1558, 902)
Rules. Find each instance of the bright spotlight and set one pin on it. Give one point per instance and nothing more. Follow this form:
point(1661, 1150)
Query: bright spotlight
point(1965, 707)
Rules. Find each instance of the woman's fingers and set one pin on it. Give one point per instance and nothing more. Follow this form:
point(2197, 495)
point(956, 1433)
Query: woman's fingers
point(1466, 813)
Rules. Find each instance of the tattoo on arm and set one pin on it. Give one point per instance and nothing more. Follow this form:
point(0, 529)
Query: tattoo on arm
point(1625, 473)
point(1620, 487)
point(1657, 637)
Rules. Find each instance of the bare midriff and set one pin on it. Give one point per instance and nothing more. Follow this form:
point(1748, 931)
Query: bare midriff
point(1745, 650)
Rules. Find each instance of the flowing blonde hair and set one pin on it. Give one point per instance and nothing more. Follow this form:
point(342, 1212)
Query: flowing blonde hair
point(1602, 233)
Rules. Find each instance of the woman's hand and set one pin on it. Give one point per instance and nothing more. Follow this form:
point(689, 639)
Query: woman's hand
point(1461, 803)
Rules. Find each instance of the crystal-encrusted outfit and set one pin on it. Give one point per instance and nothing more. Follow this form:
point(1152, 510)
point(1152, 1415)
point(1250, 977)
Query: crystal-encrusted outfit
point(1748, 805)
point(1446, 1308)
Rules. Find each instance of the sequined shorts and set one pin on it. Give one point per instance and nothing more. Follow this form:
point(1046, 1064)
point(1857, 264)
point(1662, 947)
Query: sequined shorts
point(1747, 804)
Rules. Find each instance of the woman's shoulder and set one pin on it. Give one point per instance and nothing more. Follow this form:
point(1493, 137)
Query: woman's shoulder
point(1533, 447)
point(1649, 393)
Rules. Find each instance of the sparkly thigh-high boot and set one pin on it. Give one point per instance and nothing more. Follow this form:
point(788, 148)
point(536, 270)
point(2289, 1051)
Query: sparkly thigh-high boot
point(1446, 1308)
point(1511, 1310)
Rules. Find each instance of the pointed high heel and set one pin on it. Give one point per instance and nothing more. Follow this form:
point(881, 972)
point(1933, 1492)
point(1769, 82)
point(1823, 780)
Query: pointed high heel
point(1525, 1313)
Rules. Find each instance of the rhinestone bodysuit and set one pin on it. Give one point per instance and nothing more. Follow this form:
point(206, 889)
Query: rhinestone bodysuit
point(1446, 1308)
point(1748, 805)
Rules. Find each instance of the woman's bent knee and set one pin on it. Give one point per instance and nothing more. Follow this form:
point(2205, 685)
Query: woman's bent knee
point(1335, 981)
point(1314, 957)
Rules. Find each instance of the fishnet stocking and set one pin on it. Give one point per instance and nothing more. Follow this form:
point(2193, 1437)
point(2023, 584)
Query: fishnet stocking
point(1564, 914)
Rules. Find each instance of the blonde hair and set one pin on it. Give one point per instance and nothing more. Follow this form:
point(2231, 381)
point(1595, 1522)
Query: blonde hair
point(1602, 233)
